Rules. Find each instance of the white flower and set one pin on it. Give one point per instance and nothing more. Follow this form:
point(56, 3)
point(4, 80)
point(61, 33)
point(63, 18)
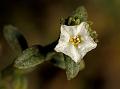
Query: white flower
point(75, 41)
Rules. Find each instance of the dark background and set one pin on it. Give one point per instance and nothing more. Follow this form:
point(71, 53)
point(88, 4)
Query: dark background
point(39, 22)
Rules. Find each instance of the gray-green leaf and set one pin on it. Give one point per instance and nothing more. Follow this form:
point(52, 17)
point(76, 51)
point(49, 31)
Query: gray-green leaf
point(20, 82)
point(72, 68)
point(15, 39)
point(58, 60)
point(81, 13)
point(30, 57)
point(82, 65)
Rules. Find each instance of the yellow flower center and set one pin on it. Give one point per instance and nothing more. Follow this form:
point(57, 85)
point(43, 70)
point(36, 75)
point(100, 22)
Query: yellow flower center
point(75, 40)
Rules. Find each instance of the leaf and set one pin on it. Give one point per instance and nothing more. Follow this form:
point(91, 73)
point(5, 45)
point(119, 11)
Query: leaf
point(30, 57)
point(82, 65)
point(20, 82)
point(15, 39)
point(72, 68)
point(58, 60)
point(81, 13)
point(49, 56)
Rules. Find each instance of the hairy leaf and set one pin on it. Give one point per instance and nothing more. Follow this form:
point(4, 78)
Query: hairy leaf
point(30, 57)
point(58, 60)
point(82, 64)
point(81, 13)
point(15, 39)
point(20, 82)
point(72, 68)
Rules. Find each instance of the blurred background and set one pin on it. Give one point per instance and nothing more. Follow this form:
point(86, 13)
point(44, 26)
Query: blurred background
point(39, 22)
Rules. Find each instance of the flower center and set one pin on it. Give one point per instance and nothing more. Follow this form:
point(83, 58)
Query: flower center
point(75, 40)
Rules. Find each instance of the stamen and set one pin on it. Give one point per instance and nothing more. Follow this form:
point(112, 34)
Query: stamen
point(75, 40)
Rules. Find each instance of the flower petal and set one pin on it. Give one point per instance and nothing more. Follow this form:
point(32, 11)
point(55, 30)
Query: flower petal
point(75, 55)
point(60, 47)
point(64, 36)
point(70, 29)
point(86, 47)
point(82, 29)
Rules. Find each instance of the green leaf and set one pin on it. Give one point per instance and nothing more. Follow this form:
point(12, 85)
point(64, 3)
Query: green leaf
point(58, 60)
point(72, 68)
point(81, 13)
point(82, 65)
point(49, 56)
point(20, 82)
point(30, 57)
point(15, 39)
point(93, 34)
